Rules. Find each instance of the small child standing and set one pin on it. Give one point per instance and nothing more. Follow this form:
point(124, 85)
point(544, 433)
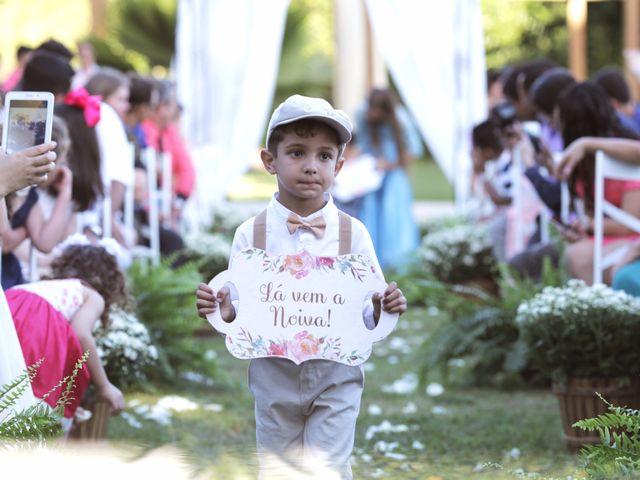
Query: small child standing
point(305, 414)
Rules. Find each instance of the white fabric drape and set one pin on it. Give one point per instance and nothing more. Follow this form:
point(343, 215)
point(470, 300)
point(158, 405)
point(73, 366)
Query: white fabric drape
point(11, 358)
point(435, 53)
point(228, 53)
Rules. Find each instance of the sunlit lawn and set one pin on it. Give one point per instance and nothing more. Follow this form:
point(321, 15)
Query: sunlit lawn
point(427, 181)
point(449, 436)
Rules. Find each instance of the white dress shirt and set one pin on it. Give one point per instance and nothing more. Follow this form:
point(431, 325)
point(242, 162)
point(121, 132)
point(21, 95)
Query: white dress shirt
point(280, 242)
point(115, 155)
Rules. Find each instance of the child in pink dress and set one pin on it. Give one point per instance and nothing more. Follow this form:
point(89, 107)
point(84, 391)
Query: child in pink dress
point(55, 318)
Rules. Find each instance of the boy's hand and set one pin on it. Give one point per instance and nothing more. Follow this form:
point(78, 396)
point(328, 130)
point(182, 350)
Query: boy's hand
point(393, 301)
point(207, 302)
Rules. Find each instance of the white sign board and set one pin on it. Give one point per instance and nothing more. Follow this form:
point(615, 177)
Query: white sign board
point(302, 307)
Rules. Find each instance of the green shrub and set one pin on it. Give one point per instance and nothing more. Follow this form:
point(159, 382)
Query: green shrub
point(484, 333)
point(166, 304)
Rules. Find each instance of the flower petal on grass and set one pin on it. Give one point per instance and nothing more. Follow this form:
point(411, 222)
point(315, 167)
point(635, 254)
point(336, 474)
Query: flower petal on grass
point(434, 389)
point(403, 386)
point(409, 408)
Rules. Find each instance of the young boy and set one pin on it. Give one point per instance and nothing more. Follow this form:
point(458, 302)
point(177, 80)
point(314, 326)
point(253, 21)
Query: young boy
point(305, 414)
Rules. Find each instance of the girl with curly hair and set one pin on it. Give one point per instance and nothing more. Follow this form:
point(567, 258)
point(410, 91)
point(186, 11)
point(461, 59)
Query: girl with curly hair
point(55, 319)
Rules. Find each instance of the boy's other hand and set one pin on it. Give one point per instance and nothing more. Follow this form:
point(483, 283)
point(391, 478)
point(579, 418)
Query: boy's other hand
point(207, 302)
point(391, 301)
point(227, 311)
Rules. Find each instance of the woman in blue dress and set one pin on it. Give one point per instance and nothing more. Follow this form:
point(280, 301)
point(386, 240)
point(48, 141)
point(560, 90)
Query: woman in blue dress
point(385, 131)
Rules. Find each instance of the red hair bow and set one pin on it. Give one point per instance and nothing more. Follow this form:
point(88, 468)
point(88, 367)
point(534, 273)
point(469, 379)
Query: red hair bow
point(90, 104)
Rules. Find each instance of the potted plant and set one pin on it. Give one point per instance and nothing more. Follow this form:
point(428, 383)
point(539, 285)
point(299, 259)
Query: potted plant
point(460, 255)
point(126, 351)
point(587, 338)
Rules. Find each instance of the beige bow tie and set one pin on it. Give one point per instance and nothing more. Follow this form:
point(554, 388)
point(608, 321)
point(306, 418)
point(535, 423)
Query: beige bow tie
point(315, 226)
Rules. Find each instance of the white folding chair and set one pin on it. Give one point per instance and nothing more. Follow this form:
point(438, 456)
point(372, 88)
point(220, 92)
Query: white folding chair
point(608, 167)
point(167, 181)
point(149, 158)
point(129, 194)
point(517, 170)
point(106, 213)
point(34, 274)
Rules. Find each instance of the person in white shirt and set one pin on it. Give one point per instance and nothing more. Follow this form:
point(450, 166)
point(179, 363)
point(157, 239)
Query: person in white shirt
point(302, 410)
point(115, 152)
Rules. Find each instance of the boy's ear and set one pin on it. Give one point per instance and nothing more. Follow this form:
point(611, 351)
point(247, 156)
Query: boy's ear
point(268, 161)
point(339, 164)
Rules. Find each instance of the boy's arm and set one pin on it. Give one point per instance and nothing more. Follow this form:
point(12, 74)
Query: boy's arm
point(392, 300)
point(206, 299)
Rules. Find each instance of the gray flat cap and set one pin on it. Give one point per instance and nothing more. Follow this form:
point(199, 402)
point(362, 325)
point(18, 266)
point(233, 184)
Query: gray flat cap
point(298, 107)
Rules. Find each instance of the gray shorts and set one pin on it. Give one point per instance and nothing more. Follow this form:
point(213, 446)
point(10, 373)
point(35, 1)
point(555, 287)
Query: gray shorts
point(305, 416)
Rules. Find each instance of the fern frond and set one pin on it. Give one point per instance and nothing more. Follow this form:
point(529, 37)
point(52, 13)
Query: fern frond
point(12, 391)
point(65, 398)
point(619, 452)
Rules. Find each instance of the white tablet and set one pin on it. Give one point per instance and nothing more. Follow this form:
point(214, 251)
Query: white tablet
point(27, 120)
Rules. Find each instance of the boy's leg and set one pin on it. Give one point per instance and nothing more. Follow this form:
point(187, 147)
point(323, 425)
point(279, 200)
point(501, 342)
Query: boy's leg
point(332, 392)
point(274, 383)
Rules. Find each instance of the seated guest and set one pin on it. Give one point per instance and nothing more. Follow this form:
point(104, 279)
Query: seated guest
point(585, 110)
point(613, 82)
point(163, 135)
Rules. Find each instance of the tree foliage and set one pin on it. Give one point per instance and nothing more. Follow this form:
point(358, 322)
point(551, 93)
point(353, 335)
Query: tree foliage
point(306, 61)
point(517, 31)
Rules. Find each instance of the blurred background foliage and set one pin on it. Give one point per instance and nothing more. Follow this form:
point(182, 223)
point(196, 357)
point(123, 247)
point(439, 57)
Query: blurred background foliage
point(521, 30)
point(140, 35)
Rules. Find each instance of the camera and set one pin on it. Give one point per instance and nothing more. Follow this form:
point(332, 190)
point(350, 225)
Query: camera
point(503, 115)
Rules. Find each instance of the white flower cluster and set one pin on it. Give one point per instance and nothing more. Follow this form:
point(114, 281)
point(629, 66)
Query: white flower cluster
point(447, 251)
point(577, 300)
point(125, 347)
point(212, 245)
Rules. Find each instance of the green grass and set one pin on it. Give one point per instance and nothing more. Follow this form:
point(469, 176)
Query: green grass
point(478, 426)
point(427, 183)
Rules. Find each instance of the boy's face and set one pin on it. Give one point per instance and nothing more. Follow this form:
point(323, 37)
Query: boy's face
point(305, 167)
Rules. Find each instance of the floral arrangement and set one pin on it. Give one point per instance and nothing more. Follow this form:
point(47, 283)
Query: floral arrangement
point(302, 264)
point(212, 251)
point(582, 331)
point(302, 346)
point(125, 348)
point(459, 253)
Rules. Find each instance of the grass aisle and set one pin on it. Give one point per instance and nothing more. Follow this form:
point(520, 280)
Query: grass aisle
point(402, 432)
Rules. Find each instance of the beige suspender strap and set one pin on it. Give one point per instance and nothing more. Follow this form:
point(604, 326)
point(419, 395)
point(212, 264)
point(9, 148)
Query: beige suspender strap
point(344, 236)
point(260, 230)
